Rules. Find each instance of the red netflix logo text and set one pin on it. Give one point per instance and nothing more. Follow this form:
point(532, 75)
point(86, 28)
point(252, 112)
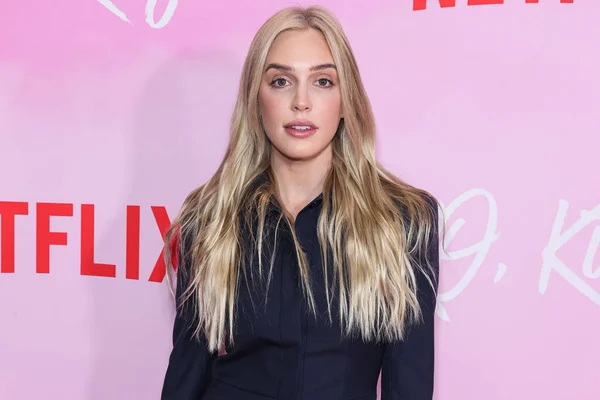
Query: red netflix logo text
point(422, 4)
point(44, 238)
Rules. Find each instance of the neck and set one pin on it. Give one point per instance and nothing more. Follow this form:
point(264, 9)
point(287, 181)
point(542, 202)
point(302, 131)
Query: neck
point(298, 182)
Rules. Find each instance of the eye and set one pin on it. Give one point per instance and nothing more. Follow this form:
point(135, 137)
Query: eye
point(324, 82)
point(278, 82)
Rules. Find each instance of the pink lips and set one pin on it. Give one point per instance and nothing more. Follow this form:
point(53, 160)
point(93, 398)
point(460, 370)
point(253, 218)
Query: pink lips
point(300, 128)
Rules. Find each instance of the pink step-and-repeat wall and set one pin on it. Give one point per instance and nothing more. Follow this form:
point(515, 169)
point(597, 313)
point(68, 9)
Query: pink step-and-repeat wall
point(104, 103)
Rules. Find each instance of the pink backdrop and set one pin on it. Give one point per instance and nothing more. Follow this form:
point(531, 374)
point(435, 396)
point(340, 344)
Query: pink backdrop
point(103, 104)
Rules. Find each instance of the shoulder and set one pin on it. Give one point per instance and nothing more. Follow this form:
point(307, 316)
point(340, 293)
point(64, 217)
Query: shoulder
point(180, 244)
point(433, 205)
point(420, 212)
point(418, 208)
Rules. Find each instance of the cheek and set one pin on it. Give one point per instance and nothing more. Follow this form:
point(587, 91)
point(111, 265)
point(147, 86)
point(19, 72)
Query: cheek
point(270, 107)
point(332, 108)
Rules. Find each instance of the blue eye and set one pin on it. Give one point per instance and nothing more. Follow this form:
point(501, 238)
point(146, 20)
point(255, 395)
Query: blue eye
point(325, 82)
point(278, 82)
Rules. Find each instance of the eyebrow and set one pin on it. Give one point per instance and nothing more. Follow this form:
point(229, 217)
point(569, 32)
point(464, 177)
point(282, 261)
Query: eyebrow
point(283, 67)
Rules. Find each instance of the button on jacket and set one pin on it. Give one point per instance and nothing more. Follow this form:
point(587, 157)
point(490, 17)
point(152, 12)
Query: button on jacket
point(282, 351)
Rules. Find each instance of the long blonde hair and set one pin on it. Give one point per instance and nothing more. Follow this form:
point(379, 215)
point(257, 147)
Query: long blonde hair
point(375, 226)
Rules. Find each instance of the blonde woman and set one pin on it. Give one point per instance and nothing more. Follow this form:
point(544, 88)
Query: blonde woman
point(311, 267)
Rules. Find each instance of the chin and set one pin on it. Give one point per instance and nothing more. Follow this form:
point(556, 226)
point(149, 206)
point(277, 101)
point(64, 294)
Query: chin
point(300, 149)
point(299, 155)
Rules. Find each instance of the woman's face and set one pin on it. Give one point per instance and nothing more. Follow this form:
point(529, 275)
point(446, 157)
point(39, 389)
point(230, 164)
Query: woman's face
point(299, 96)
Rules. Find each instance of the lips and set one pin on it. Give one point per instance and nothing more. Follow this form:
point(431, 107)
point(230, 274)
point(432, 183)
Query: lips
point(300, 128)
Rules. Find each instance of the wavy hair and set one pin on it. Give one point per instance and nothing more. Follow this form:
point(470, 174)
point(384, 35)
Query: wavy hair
point(374, 226)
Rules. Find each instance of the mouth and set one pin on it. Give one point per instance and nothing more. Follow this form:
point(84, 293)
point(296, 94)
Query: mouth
point(300, 128)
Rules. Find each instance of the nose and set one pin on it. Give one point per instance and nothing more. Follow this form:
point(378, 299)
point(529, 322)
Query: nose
point(301, 101)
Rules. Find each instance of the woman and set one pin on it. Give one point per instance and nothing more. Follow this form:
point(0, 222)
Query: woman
point(309, 265)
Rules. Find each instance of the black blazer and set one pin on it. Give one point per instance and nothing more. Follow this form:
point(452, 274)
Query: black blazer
point(282, 352)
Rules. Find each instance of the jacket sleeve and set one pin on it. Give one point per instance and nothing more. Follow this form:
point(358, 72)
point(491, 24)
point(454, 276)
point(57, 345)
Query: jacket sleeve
point(189, 369)
point(408, 366)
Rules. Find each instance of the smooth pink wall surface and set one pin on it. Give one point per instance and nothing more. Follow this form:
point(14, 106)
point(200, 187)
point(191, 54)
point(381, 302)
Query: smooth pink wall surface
point(111, 112)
